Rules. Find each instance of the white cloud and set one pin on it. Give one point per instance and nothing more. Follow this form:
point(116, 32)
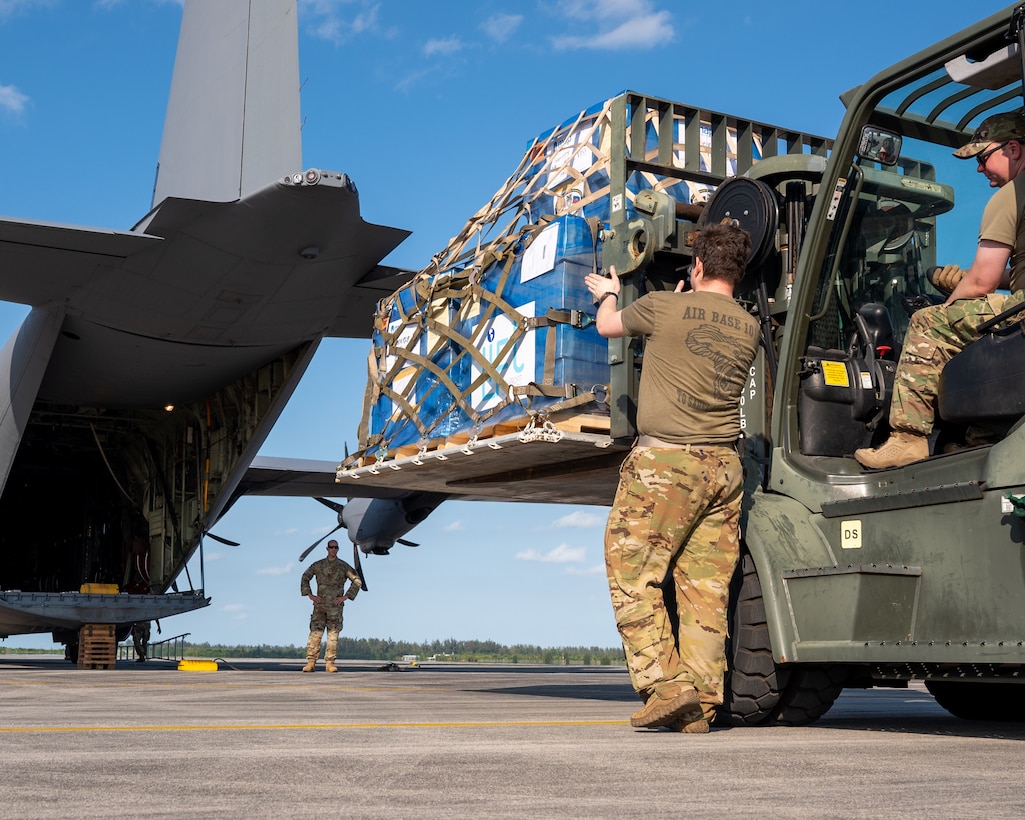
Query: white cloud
point(602, 9)
point(411, 79)
point(562, 554)
point(237, 612)
point(621, 24)
point(447, 45)
point(365, 20)
point(12, 100)
point(285, 570)
point(288, 531)
point(579, 518)
point(8, 8)
point(455, 526)
point(501, 27)
point(328, 20)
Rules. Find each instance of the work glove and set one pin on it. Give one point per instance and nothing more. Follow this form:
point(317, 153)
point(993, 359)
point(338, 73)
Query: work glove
point(945, 278)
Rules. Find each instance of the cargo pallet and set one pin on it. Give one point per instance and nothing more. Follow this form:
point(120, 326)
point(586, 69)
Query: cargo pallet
point(487, 378)
point(576, 423)
point(97, 646)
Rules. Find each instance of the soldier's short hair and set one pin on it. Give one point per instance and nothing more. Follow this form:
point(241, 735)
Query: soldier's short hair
point(724, 250)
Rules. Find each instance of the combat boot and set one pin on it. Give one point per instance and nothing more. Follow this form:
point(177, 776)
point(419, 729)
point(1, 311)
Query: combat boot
point(663, 710)
point(312, 651)
point(692, 723)
point(900, 449)
point(332, 650)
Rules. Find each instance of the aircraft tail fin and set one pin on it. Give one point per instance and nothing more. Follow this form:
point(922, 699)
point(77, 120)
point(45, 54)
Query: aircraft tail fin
point(233, 120)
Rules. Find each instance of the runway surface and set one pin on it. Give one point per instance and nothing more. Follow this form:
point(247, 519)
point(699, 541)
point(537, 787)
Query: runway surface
point(260, 739)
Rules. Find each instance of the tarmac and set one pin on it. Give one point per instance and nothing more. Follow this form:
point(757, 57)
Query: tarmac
point(259, 739)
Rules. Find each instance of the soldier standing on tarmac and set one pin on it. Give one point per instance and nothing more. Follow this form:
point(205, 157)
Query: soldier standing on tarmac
point(677, 509)
point(330, 573)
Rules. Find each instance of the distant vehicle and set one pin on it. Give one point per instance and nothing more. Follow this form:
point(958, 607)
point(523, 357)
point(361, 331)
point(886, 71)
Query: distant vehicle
point(849, 578)
point(155, 361)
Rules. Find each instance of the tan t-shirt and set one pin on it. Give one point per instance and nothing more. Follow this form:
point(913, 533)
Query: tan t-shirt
point(1003, 221)
point(699, 350)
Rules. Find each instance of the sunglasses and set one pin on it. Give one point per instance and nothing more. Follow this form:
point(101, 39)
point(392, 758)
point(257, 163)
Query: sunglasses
point(985, 155)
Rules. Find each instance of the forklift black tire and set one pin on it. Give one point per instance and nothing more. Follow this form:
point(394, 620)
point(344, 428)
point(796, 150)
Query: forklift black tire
point(759, 691)
point(809, 694)
point(978, 700)
point(754, 682)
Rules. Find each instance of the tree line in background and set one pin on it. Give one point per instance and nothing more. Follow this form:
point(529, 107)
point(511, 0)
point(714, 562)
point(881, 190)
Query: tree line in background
point(451, 650)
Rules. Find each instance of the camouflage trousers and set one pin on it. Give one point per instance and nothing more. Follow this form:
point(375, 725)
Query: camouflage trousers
point(675, 516)
point(140, 638)
point(935, 335)
point(329, 618)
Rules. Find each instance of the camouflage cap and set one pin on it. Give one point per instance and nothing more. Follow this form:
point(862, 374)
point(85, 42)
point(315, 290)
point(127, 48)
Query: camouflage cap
point(1009, 125)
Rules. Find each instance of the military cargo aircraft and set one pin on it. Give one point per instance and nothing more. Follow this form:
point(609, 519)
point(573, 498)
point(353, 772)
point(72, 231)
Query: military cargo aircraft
point(155, 360)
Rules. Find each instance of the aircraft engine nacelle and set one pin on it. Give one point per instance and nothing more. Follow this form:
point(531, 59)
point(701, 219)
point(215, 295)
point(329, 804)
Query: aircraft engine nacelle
point(376, 524)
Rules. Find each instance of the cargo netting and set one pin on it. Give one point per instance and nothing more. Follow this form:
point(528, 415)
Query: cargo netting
point(497, 332)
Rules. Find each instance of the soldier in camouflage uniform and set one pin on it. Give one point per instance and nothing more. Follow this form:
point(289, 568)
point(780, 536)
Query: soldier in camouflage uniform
point(677, 508)
point(331, 574)
point(937, 334)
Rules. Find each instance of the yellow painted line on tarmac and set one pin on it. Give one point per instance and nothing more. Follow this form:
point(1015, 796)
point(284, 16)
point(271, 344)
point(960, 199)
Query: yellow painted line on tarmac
point(8, 730)
point(211, 684)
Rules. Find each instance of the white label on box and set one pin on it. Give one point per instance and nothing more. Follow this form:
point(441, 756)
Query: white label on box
point(516, 366)
point(568, 153)
point(401, 379)
point(539, 258)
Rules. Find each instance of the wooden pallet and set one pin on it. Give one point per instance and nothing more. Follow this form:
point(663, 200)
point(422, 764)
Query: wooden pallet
point(97, 646)
point(573, 423)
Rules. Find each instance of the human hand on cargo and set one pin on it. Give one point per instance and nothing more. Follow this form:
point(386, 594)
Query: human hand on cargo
point(600, 285)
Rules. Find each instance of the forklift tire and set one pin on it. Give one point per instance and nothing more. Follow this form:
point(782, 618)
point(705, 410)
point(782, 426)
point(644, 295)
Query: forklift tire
point(758, 690)
point(810, 693)
point(976, 700)
point(754, 682)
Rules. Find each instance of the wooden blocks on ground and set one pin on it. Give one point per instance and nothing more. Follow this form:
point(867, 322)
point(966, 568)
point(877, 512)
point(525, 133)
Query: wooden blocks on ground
point(97, 646)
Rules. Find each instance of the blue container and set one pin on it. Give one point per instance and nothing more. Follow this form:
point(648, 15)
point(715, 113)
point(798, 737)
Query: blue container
point(420, 386)
point(546, 275)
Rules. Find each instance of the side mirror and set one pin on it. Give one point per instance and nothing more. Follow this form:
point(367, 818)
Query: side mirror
point(879, 146)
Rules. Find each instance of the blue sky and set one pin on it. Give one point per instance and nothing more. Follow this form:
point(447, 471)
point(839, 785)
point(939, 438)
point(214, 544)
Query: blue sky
point(428, 107)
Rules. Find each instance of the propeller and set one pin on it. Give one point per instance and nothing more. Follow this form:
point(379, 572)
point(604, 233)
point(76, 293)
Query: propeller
point(209, 534)
point(359, 567)
point(310, 548)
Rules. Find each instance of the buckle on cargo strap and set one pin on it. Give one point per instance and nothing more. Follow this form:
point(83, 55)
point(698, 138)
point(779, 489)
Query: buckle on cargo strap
point(574, 318)
point(547, 431)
